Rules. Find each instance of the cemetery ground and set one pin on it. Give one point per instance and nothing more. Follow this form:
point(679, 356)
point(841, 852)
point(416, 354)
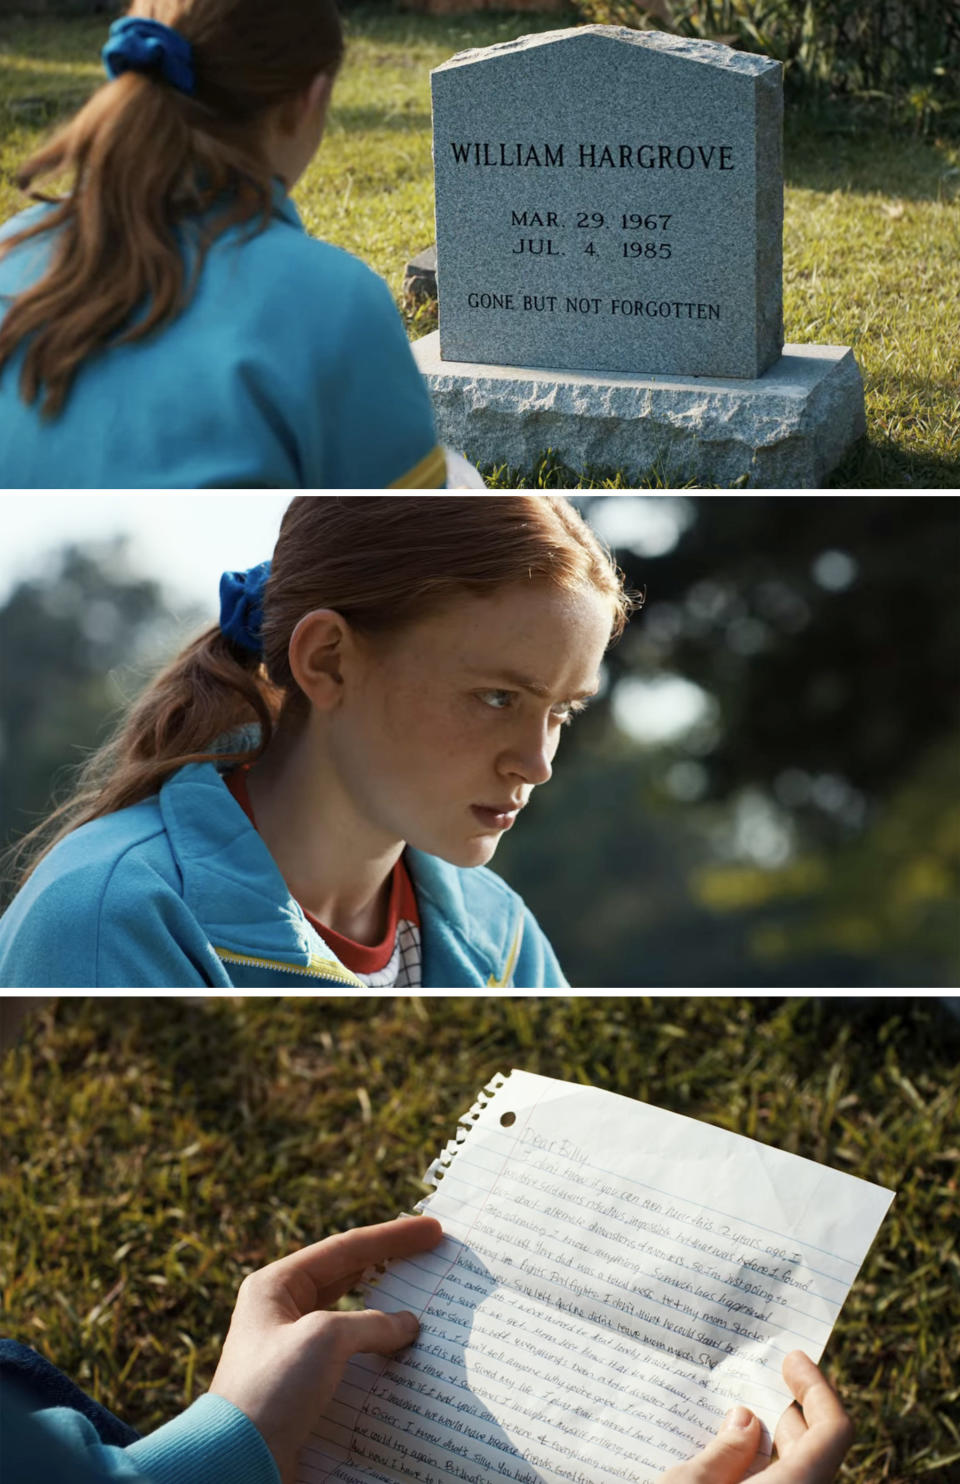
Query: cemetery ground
point(871, 236)
point(158, 1149)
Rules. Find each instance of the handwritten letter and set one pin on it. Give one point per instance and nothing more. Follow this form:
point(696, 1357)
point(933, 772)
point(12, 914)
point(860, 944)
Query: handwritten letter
point(613, 1278)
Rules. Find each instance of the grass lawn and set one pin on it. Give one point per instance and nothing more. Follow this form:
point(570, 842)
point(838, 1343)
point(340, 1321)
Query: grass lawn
point(156, 1150)
point(871, 239)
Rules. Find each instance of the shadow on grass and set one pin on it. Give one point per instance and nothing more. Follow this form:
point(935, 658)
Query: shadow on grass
point(216, 1054)
point(374, 120)
point(38, 100)
point(376, 22)
point(841, 147)
point(201, 1049)
point(880, 464)
point(923, 1034)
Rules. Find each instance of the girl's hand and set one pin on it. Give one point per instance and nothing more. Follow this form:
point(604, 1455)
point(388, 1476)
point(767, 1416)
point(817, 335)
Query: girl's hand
point(812, 1437)
point(285, 1352)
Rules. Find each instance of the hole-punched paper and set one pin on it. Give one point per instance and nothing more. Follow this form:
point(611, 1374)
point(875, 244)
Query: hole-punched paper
point(612, 1280)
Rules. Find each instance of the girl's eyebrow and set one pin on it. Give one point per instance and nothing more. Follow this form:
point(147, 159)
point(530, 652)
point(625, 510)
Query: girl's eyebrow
point(524, 682)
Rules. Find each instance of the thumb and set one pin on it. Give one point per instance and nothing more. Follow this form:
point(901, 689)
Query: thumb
point(370, 1331)
point(725, 1460)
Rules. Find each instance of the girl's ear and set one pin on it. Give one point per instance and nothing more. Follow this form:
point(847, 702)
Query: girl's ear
point(318, 93)
point(316, 655)
point(312, 102)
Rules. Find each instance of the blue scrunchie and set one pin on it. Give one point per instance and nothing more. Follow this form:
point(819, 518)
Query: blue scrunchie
point(241, 606)
point(138, 45)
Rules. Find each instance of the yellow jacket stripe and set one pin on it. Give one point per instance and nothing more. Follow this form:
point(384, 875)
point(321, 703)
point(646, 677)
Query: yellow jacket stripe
point(429, 474)
point(317, 968)
point(504, 983)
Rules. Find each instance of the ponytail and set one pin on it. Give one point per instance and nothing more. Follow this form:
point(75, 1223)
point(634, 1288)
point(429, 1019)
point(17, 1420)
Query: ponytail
point(382, 562)
point(158, 176)
point(210, 704)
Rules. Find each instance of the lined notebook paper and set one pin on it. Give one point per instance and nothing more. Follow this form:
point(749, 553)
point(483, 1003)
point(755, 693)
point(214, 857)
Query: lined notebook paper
point(612, 1280)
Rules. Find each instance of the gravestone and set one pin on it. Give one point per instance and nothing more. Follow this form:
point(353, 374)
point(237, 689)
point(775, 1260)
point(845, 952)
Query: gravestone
point(609, 210)
point(623, 213)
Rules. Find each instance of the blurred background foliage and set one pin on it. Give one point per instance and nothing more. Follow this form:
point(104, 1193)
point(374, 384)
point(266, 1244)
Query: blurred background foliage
point(901, 54)
point(766, 795)
point(802, 826)
point(156, 1150)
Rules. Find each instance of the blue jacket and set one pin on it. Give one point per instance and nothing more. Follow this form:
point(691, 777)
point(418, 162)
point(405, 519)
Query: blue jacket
point(212, 1442)
point(180, 891)
point(289, 368)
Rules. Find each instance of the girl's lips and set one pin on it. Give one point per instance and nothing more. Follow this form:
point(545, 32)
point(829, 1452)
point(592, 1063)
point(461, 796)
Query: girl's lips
point(495, 819)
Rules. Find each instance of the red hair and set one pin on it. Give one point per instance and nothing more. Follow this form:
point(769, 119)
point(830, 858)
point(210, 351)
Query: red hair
point(146, 160)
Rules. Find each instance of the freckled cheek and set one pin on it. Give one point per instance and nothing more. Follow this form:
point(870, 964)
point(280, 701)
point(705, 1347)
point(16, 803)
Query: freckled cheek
point(430, 735)
point(404, 715)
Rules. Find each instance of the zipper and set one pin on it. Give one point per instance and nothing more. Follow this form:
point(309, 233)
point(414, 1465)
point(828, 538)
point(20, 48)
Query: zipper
point(317, 968)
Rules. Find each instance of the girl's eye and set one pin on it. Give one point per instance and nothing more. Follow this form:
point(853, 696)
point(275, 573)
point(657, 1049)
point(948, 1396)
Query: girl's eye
point(568, 711)
point(502, 700)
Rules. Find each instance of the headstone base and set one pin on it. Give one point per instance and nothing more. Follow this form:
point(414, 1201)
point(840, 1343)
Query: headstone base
point(785, 430)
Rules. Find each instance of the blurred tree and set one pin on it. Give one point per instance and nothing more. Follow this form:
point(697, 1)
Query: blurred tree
point(827, 629)
point(64, 641)
point(881, 51)
point(810, 835)
point(892, 895)
point(626, 889)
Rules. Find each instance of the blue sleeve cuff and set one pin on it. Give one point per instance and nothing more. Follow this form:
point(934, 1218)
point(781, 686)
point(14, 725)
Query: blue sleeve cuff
point(213, 1441)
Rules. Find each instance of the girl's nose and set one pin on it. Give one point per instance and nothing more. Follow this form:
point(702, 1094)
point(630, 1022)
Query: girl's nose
point(532, 758)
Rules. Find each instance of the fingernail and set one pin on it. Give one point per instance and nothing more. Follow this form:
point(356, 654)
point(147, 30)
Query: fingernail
point(410, 1323)
point(738, 1417)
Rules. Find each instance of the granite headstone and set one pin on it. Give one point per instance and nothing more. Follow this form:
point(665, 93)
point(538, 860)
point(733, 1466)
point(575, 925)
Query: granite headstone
point(610, 200)
point(609, 210)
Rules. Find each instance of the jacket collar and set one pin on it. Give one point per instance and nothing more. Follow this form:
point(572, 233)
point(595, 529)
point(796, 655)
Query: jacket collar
point(470, 920)
point(283, 206)
point(231, 882)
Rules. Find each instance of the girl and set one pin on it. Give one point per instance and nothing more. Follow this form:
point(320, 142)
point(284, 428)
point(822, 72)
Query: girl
point(169, 322)
point(304, 796)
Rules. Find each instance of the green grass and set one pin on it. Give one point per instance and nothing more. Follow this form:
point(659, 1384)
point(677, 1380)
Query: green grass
point(871, 239)
point(158, 1149)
